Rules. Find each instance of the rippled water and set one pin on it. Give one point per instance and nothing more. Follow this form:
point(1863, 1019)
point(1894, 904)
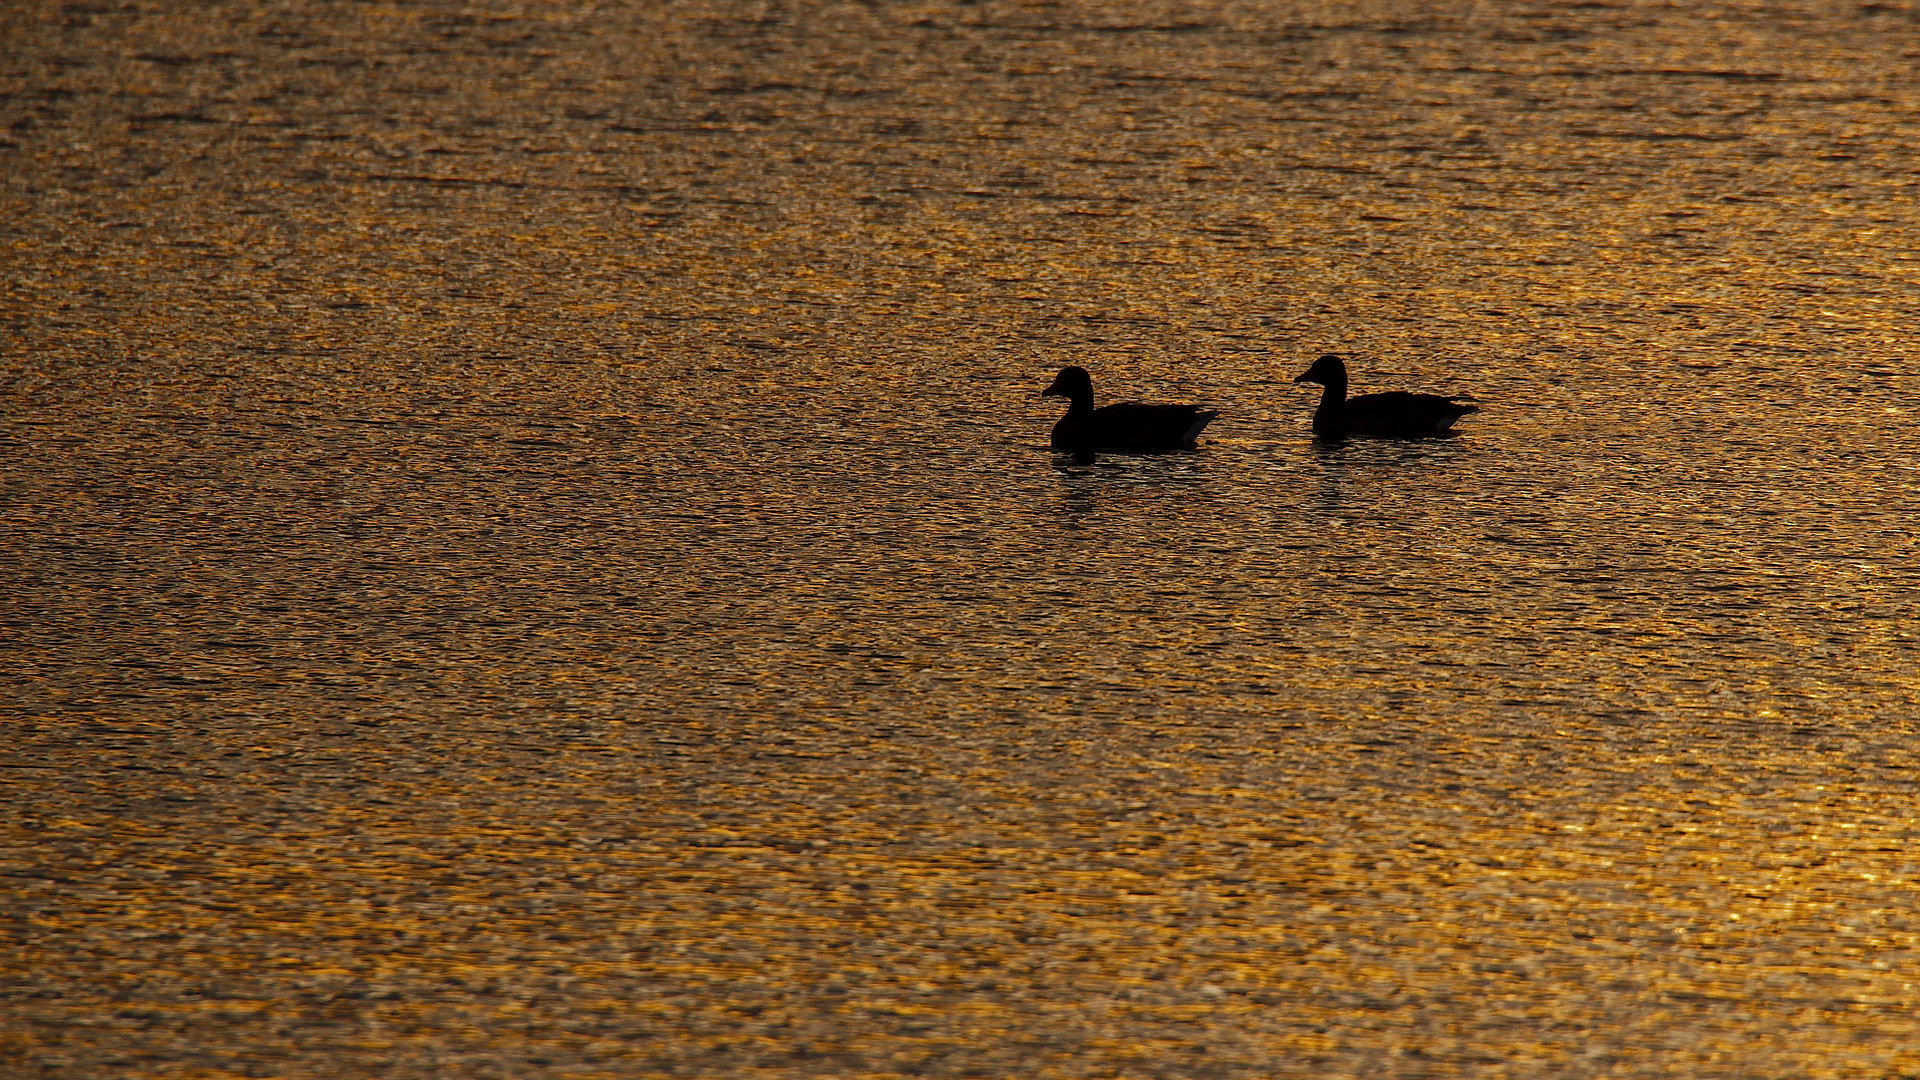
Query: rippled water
point(530, 544)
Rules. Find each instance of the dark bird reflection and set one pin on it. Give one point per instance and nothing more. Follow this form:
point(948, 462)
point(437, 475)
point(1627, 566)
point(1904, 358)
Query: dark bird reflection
point(1092, 481)
point(1345, 468)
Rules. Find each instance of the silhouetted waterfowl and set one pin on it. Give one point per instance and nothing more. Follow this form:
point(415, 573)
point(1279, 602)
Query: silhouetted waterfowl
point(1129, 427)
point(1395, 414)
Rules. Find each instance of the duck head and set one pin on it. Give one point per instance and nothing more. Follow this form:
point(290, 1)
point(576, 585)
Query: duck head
point(1326, 371)
point(1072, 382)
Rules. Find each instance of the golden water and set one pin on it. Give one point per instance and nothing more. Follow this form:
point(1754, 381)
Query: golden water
point(529, 545)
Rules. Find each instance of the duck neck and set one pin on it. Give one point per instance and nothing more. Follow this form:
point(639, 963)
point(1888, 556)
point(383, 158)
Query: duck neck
point(1080, 402)
point(1334, 396)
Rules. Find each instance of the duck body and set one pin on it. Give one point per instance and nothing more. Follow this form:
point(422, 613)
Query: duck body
point(1395, 414)
point(1130, 427)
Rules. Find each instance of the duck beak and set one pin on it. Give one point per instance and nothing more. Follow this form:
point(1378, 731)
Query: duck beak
point(1305, 376)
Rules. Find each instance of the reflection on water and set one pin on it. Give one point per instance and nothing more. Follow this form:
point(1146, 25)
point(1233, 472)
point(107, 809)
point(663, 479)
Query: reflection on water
point(1114, 483)
point(531, 545)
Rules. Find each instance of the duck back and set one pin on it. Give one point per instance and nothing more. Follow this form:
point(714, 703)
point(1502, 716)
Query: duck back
point(1132, 427)
point(1399, 413)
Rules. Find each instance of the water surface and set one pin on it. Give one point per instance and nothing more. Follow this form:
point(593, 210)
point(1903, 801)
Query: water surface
point(530, 544)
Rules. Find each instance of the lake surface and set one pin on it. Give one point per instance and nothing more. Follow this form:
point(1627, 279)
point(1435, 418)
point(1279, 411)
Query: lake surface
point(530, 546)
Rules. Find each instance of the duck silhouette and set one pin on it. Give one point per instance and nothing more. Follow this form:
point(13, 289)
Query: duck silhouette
point(1395, 414)
point(1129, 427)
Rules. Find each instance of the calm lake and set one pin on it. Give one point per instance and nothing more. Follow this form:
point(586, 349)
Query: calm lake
point(529, 546)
